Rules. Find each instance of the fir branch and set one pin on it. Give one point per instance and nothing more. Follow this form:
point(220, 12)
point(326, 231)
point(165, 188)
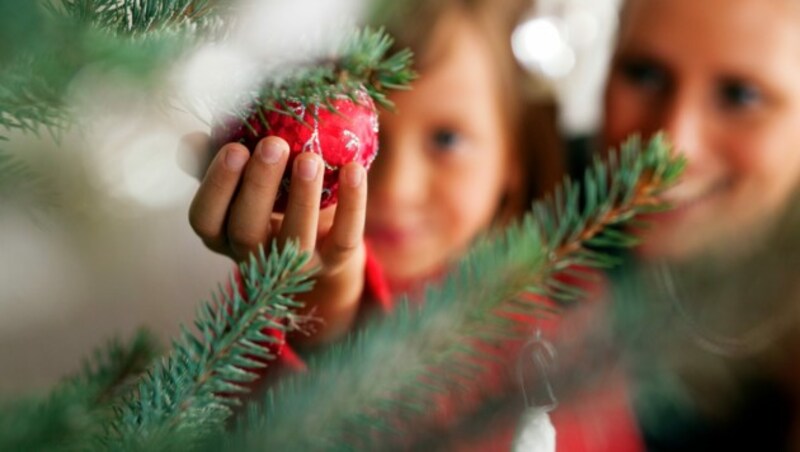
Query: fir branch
point(61, 422)
point(62, 38)
point(32, 96)
point(188, 395)
point(361, 393)
point(139, 17)
point(365, 62)
point(137, 36)
point(364, 391)
point(76, 411)
point(361, 64)
point(33, 90)
point(111, 369)
point(19, 184)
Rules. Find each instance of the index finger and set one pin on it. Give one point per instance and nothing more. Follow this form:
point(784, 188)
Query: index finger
point(209, 209)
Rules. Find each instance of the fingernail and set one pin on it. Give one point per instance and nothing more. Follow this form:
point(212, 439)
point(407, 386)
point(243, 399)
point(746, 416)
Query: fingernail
point(307, 168)
point(235, 159)
point(269, 151)
point(353, 175)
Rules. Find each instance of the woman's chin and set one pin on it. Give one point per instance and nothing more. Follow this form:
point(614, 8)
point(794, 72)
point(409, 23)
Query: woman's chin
point(654, 248)
point(681, 242)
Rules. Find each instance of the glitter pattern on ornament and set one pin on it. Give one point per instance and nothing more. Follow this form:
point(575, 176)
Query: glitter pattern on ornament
point(347, 134)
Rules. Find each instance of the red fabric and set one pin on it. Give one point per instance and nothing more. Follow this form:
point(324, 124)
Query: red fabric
point(376, 288)
point(601, 421)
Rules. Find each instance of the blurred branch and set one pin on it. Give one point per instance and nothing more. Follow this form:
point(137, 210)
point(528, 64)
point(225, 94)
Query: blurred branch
point(75, 413)
point(381, 386)
point(60, 39)
point(186, 397)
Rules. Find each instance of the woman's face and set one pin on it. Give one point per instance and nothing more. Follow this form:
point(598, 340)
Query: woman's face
point(722, 78)
point(444, 161)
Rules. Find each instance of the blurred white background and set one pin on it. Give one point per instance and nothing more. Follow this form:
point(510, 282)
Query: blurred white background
point(116, 252)
point(570, 42)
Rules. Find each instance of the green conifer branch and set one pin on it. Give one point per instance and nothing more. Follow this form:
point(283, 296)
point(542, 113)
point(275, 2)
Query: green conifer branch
point(75, 413)
point(19, 184)
point(138, 36)
point(362, 63)
point(135, 18)
point(188, 395)
point(112, 369)
point(359, 393)
point(55, 40)
point(60, 422)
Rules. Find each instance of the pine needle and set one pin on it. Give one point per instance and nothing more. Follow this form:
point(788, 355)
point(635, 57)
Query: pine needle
point(363, 63)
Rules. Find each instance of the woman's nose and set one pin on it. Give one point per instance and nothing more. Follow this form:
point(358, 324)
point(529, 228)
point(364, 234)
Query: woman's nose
point(686, 124)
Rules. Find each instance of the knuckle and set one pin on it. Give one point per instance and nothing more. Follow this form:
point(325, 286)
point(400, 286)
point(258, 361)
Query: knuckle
point(242, 238)
point(215, 246)
point(342, 256)
point(341, 249)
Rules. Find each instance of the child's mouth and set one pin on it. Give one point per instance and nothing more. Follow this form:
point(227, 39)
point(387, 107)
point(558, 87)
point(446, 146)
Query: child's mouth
point(390, 236)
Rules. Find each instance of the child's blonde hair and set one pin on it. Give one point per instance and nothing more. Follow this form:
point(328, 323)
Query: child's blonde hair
point(531, 112)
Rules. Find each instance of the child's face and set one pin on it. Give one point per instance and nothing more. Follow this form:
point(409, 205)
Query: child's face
point(443, 165)
point(721, 77)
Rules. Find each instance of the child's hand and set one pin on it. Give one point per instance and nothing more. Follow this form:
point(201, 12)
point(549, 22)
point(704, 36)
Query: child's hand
point(232, 214)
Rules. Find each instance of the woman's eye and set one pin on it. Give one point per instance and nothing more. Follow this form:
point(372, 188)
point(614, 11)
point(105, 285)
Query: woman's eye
point(445, 139)
point(645, 74)
point(735, 94)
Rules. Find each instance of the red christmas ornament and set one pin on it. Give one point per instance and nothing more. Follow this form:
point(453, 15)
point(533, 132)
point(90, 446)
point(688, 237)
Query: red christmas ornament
point(347, 134)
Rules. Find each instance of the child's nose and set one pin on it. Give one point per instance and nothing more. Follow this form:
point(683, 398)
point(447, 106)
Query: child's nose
point(398, 177)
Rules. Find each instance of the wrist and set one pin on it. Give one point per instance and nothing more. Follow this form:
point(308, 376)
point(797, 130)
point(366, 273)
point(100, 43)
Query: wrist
point(333, 303)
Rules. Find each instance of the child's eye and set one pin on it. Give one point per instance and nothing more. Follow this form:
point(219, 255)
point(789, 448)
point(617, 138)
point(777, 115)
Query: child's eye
point(645, 74)
point(445, 139)
point(736, 94)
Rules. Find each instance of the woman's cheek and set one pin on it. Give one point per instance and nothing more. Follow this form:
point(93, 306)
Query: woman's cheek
point(762, 172)
point(766, 163)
